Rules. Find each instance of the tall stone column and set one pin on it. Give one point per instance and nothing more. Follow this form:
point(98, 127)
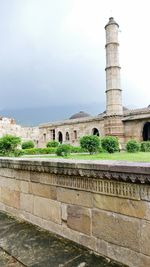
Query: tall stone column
point(113, 86)
point(113, 124)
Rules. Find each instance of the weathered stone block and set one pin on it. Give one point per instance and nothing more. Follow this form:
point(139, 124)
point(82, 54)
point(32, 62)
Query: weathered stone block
point(64, 212)
point(43, 190)
point(70, 233)
point(145, 192)
point(47, 178)
point(117, 229)
point(144, 261)
point(47, 209)
point(2, 206)
point(79, 219)
point(52, 226)
point(6, 172)
point(133, 208)
point(35, 177)
point(127, 256)
point(26, 202)
point(13, 211)
point(88, 241)
point(24, 187)
point(145, 237)
point(101, 247)
point(22, 175)
point(39, 190)
point(10, 198)
point(9, 183)
point(75, 197)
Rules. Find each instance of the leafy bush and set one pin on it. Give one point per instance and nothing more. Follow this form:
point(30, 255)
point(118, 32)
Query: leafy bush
point(19, 152)
point(52, 144)
point(145, 146)
point(90, 143)
point(77, 149)
point(35, 151)
point(27, 144)
point(8, 144)
point(132, 146)
point(63, 150)
point(100, 149)
point(110, 144)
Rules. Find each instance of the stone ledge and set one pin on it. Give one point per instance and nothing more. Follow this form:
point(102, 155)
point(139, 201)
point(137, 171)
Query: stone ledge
point(111, 170)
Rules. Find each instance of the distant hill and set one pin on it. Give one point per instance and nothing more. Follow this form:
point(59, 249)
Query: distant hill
point(38, 115)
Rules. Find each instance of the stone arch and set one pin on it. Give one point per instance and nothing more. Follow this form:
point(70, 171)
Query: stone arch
point(95, 131)
point(146, 131)
point(60, 137)
point(67, 136)
point(75, 135)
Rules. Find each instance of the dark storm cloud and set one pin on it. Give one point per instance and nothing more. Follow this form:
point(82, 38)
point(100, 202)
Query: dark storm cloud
point(53, 52)
point(40, 64)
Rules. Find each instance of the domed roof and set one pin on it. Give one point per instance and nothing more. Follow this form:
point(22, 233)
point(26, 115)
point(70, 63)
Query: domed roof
point(79, 115)
point(125, 109)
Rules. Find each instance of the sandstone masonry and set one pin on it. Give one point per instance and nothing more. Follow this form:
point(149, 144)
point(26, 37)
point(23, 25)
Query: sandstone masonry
point(104, 206)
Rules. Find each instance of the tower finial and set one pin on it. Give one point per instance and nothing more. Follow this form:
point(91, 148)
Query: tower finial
point(111, 22)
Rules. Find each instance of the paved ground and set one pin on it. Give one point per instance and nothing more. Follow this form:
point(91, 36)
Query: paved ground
point(7, 260)
point(22, 244)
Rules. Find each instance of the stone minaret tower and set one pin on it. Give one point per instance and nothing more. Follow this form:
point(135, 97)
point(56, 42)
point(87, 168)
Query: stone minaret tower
point(113, 124)
point(113, 86)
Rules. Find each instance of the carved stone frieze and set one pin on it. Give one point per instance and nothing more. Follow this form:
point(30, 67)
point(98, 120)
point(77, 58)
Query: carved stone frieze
point(105, 187)
point(107, 170)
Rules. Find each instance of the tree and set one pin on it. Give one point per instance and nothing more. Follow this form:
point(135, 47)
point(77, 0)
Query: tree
point(90, 142)
point(8, 144)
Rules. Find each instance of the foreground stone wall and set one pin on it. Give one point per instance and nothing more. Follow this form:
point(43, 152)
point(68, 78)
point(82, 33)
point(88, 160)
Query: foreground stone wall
point(104, 206)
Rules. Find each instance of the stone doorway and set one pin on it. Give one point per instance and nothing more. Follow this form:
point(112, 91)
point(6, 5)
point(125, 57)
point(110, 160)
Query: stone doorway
point(60, 137)
point(146, 131)
point(95, 131)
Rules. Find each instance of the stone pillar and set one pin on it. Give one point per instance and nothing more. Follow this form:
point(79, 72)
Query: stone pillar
point(113, 86)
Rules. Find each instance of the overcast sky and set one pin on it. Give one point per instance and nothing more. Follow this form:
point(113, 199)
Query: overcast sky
point(52, 51)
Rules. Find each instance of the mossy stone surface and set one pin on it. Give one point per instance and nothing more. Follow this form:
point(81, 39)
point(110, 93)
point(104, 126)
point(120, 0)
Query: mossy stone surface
point(34, 247)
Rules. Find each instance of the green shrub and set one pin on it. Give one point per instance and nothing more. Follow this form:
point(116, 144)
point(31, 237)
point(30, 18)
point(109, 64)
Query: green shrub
point(132, 146)
point(110, 144)
point(46, 150)
point(90, 143)
point(145, 146)
point(8, 144)
point(63, 150)
point(77, 149)
point(27, 144)
point(31, 151)
point(52, 144)
point(100, 149)
point(36, 151)
point(19, 152)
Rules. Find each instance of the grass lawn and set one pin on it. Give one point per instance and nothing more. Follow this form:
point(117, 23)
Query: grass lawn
point(140, 156)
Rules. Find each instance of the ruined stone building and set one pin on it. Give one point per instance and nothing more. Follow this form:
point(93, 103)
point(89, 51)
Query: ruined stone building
point(9, 126)
point(116, 120)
